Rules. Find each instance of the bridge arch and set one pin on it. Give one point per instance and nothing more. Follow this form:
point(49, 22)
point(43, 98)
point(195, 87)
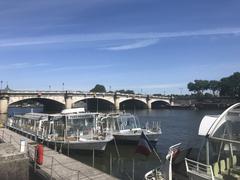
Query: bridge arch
point(157, 104)
point(49, 105)
point(131, 103)
point(94, 104)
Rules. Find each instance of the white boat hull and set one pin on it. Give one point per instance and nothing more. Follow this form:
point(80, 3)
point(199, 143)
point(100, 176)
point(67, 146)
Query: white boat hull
point(82, 145)
point(134, 137)
point(99, 145)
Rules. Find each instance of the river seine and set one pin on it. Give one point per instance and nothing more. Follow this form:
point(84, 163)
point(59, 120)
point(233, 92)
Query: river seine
point(177, 126)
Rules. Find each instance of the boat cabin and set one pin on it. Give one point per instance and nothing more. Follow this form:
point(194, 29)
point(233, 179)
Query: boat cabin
point(120, 122)
point(219, 156)
point(72, 127)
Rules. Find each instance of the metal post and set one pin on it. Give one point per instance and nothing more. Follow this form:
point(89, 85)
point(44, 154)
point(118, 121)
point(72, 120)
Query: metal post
point(133, 169)
point(78, 175)
point(93, 158)
point(51, 168)
point(60, 150)
point(207, 151)
point(68, 148)
point(116, 147)
point(97, 104)
point(35, 159)
point(55, 146)
point(110, 163)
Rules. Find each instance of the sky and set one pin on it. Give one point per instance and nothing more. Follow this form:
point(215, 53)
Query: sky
point(149, 46)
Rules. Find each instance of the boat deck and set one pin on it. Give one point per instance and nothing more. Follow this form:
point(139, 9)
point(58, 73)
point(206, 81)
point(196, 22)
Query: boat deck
point(55, 165)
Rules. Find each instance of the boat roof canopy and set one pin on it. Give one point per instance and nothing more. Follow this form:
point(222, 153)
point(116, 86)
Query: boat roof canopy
point(226, 126)
point(33, 116)
point(206, 124)
point(73, 111)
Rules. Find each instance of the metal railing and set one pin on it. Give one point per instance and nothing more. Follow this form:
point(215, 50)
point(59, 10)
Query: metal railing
point(199, 169)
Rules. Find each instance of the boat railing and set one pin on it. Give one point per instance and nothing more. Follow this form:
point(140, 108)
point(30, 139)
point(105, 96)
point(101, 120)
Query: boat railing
point(199, 169)
point(155, 126)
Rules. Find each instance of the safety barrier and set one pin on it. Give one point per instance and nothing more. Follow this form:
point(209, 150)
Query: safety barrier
point(54, 167)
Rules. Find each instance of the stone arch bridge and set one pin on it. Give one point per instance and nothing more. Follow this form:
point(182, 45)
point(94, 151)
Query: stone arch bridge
point(68, 98)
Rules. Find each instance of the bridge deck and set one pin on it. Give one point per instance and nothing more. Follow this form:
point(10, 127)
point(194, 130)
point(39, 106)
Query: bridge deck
point(55, 165)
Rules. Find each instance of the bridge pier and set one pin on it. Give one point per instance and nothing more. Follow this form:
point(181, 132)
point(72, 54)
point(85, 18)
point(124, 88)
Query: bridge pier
point(149, 104)
point(116, 103)
point(68, 101)
point(3, 105)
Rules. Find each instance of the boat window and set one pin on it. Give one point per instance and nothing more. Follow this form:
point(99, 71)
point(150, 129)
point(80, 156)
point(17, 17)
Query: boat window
point(229, 130)
point(127, 122)
point(78, 125)
point(59, 125)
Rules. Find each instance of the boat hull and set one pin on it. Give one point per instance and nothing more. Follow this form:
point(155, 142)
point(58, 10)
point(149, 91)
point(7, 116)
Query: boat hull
point(99, 145)
point(81, 145)
point(134, 137)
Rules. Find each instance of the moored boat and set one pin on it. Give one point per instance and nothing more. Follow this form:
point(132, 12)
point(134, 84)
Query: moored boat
point(219, 157)
point(125, 127)
point(73, 129)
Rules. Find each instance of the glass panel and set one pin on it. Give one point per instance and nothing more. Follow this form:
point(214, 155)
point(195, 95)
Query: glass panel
point(82, 125)
point(127, 122)
point(59, 125)
point(230, 130)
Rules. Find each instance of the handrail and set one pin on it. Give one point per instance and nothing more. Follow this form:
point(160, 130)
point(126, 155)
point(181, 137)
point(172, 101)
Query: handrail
point(199, 169)
point(31, 154)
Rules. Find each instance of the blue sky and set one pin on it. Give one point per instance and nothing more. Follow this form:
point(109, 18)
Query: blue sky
point(150, 46)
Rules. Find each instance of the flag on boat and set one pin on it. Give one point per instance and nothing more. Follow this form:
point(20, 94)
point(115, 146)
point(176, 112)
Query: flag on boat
point(144, 147)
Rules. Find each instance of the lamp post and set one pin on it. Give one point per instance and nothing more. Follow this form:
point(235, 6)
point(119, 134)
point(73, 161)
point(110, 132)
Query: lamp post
point(63, 86)
point(1, 83)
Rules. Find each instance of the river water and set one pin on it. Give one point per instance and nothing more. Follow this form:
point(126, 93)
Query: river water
point(177, 126)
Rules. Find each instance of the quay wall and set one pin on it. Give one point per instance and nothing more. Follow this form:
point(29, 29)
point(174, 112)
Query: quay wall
point(13, 165)
point(205, 102)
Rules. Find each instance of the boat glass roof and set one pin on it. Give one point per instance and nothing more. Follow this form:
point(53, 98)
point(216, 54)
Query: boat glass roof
point(227, 126)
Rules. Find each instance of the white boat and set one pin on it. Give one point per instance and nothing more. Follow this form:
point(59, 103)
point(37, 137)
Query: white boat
point(219, 157)
point(125, 127)
point(165, 172)
point(73, 129)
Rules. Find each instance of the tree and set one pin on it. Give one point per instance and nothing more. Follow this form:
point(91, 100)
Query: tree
point(201, 85)
point(98, 88)
point(125, 91)
point(192, 87)
point(198, 86)
point(230, 86)
point(214, 86)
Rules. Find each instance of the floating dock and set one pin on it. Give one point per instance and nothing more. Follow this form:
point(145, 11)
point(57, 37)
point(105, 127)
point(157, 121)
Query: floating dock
point(55, 165)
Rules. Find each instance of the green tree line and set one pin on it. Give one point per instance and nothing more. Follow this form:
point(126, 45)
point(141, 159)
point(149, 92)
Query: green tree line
point(227, 86)
point(101, 88)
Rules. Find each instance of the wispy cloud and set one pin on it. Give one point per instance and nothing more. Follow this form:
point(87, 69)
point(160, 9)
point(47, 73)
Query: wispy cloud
point(67, 68)
point(145, 39)
point(139, 44)
point(23, 65)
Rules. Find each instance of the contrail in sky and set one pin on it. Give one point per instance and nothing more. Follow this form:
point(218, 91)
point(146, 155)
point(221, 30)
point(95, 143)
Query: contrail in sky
point(141, 39)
